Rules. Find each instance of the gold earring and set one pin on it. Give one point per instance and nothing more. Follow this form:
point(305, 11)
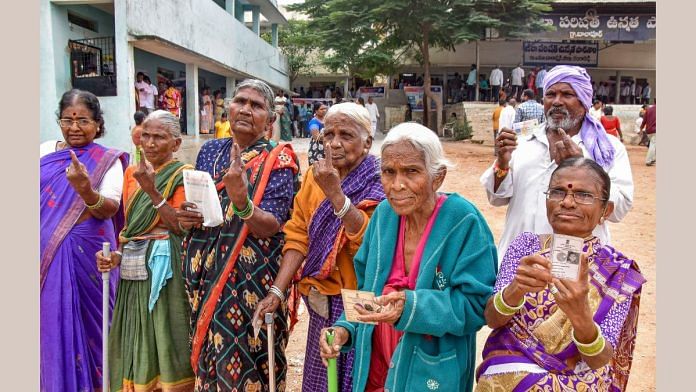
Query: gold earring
point(601, 220)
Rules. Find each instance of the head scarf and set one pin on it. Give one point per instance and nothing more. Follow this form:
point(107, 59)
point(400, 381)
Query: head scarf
point(592, 132)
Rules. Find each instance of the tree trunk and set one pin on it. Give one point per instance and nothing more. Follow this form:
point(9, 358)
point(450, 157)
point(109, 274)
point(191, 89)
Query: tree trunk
point(425, 51)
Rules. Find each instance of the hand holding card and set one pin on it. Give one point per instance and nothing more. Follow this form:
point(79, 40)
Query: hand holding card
point(565, 256)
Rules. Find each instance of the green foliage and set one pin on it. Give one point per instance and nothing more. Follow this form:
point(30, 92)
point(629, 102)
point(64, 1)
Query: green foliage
point(298, 43)
point(463, 130)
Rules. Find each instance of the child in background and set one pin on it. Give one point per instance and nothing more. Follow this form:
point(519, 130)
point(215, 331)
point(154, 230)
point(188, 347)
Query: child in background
point(139, 117)
point(223, 128)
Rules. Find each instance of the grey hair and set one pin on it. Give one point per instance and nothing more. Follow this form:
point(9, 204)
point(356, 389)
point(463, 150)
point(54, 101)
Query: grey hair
point(168, 120)
point(423, 140)
point(262, 87)
point(357, 113)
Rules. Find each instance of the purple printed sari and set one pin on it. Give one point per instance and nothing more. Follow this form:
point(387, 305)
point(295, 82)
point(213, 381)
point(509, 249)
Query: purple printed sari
point(533, 351)
point(71, 287)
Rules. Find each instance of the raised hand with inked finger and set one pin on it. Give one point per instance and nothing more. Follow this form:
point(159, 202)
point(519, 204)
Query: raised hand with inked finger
point(77, 175)
point(235, 179)
point(327, 176)
point(507, 143)
point(145, 175)
point(564, 148)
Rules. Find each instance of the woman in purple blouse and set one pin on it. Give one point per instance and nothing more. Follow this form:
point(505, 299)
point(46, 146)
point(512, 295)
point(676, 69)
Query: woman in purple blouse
point(557, 334)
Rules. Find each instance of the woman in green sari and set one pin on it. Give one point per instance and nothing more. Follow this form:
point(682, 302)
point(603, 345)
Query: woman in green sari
point(149, 339)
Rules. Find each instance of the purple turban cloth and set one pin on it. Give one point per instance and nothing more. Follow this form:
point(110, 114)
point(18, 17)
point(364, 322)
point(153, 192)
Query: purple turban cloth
point(592, 132)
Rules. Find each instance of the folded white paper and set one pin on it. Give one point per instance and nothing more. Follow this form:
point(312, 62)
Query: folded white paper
point(200, 190)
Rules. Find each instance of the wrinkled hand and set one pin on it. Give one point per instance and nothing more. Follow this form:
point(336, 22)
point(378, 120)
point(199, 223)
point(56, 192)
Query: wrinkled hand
point(145, 175)
point(235, 178)
point(267, 305)
point(77, 175)
point(189, 219)
point(392, 305)
point(507, 143)
point(533, 274)
point(105, 264)
point(326, 175)
point(565, 148)
point(327, 352)
point(572, 295)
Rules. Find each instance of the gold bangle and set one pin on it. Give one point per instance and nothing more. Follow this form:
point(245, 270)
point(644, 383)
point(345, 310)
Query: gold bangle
point(96, 205)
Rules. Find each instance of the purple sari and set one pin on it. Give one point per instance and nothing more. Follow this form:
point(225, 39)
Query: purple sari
point(71, 287)
point(526, 343)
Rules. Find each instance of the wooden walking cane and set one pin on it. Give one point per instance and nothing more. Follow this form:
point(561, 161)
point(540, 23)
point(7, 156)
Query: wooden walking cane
point(106, 251)
point(268, 317)
point(331, 370)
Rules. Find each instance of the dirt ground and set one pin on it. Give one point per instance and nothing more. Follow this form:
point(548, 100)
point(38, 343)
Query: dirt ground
point(634, 236)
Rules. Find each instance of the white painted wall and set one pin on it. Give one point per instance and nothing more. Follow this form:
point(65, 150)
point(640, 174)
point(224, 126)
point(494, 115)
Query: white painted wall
point(205, 28)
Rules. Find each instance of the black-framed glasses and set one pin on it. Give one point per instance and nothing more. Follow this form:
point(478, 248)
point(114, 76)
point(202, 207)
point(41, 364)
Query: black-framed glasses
point(68, 122)
point(579, 197)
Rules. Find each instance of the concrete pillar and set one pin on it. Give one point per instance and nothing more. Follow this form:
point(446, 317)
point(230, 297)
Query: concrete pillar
point(118, 110)
point(445, 94)
point(478, 71)
point(617, 88)
point(230, 84)
point(274, 35)
point(229, 6)
point(192, 108)
point(256, 19)
point(239, 10)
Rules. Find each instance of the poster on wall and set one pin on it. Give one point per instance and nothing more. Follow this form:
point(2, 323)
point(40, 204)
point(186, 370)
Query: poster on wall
point(414, 95)
point(553, 53)
point(375, 92)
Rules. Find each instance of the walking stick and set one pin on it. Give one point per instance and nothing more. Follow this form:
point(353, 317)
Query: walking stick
point(106, 251)
point(331, 370)
point(271, 352)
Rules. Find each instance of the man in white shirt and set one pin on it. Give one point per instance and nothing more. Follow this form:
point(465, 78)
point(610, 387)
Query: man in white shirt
point(327, 93)
point(646, 93)
point(524, 164)
point(496, 81)
point(539, 83)
point(144, 92)
point(507, 115)
point(517, 75)
point(151, 96)
point(374, 114)
point(596, 110)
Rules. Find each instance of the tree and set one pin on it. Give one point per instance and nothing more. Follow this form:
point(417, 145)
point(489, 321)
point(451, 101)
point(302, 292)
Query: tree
point(419, 25)
point(297, 42)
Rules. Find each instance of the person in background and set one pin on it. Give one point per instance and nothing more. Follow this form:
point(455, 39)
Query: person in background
point(647, 91)
point(507, 115)
point(539, 83)
point(172, 99)
point(219, 102)
point(143, 90)
point(529, 109)
point(471, 84)
point(161, 87)
point(517, 75)
point(496, 81)
point(223, 128)
point(138, 117)
point(611, 123)
point(649, 127)
point(374, 114)
point(207, 108)
point(361, 101)
point(316, 125)
point(484, 89)
point(496, 122)
point(639, 93)
point(152, 96)
point(596, 110)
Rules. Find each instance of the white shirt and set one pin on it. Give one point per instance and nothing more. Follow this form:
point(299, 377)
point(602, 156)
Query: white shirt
point(596, 114)
point(144, 92)
point(507, 117)
point(530, 172)
point(374, 111)
point(111, 186)
point(327, 94)
point(517, 75)
point(496, 77)
point(151, 97)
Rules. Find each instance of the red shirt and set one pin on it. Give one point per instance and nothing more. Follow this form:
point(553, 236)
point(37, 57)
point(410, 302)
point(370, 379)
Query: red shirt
point(649, 120)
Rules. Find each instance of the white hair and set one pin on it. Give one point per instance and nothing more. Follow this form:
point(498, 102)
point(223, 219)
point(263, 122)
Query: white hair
point(355, 112)
point(168, 120)
point(423, 140)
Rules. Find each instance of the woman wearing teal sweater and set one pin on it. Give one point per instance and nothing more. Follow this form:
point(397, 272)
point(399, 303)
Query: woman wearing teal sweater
point(431, 260)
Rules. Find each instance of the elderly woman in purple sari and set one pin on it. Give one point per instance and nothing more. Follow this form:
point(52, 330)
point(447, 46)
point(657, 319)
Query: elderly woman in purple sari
point(552, 334)
point(330, 215)
point(81, 183)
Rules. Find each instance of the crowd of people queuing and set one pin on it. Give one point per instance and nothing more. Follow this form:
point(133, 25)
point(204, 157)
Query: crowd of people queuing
point(184, 296)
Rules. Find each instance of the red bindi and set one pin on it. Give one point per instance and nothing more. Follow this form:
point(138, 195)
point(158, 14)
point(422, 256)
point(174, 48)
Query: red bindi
point(570, 186)
point(74, 114)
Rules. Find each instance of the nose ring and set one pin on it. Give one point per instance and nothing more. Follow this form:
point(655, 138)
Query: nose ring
point(403, 186)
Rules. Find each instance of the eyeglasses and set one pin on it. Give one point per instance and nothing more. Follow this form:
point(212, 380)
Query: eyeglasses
point(579, 197)
point(68, 122)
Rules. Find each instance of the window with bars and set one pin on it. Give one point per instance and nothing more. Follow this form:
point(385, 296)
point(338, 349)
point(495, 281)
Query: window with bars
point(93, 65)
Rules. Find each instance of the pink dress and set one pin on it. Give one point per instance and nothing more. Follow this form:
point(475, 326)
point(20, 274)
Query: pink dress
point(385, 337)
